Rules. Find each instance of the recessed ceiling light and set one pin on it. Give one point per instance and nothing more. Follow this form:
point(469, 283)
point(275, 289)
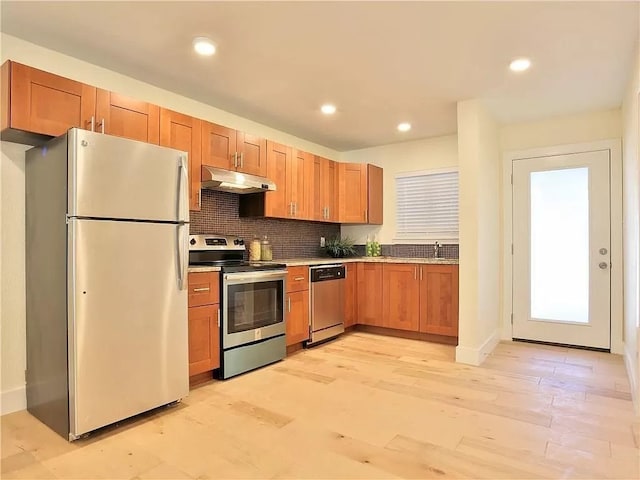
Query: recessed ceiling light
point(520, 64)
point(328, 109)
point(204, 46)
point(404, 127)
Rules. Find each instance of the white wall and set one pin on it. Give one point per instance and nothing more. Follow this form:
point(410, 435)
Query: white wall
point(631, 228)
point(430, 153)
point(480, 232)
point(581, 128)
point(12, 308)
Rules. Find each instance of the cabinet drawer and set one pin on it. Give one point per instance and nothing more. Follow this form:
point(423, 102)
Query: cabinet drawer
point(297, 279)
point(204, 288)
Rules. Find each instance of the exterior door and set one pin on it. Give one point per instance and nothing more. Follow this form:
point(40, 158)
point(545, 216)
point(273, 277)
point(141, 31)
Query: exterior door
point(561, 249)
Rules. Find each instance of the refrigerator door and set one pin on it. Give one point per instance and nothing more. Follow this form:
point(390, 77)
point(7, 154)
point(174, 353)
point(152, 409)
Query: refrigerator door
point(113, 177)
point(128, 341)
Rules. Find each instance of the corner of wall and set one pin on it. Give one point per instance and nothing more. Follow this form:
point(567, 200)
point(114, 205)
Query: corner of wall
point(477, 355)
point(631, 362)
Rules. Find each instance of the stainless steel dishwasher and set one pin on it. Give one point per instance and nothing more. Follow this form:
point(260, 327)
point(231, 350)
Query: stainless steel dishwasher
point(327, 302)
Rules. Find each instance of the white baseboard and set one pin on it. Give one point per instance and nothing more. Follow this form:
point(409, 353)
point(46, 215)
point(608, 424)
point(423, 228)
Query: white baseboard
point(13, 400)
point(475, 356)
point(632, 371)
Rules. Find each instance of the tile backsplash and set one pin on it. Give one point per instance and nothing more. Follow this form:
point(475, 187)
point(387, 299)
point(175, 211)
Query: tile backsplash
point(289, 238)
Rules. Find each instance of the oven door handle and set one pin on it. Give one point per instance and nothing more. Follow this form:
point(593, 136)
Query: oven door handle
point(255, 276)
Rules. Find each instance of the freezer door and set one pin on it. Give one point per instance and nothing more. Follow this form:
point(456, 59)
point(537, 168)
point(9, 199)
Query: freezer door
point(128, 342)
point(113, 177)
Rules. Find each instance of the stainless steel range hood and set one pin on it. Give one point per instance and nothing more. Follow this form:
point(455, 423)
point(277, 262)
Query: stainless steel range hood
point(235, 182)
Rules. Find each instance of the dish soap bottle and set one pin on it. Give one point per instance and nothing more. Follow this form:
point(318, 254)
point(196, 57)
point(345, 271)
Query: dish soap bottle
point(255, 249)
point(265, 251)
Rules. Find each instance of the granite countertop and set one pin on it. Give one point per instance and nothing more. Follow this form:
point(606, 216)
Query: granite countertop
point(297, 262)
point(293, 262)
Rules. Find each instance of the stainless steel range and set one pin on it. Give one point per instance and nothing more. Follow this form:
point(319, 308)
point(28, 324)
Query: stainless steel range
point(252, 303)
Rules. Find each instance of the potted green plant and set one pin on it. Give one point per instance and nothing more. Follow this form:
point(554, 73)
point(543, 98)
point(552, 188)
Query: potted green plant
point(338, 247)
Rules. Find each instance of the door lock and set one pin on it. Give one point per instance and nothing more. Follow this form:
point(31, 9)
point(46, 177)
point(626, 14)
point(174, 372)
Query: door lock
point(603, 265)
point(603, 251)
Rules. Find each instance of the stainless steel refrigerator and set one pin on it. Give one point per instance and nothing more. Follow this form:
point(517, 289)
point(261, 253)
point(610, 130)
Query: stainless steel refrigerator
point(106, 274)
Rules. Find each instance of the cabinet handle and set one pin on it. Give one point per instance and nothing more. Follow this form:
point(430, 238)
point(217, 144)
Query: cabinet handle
point(202, 289)
point(92, 122)
point(420, 273)
point(295, 209)
point(199, 198)
point(101, 125)
point(218, 318)
point(235, 159)
point(415, 273)
point(289, 302)
point(291, 209)
point(297, 279)
point(241, 159)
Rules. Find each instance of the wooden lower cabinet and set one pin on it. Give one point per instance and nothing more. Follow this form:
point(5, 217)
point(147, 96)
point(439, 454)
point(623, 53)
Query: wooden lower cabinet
point(369, 281)
point(297, 317)
point(439, 300)
point(204, 339)
point(351, 295)
point(204, 322)
point(401, 297)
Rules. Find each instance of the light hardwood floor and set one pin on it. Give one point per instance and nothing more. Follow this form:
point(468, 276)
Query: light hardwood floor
point(367, 406)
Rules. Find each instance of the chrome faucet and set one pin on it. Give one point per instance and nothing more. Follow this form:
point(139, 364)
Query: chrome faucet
point(436, 250)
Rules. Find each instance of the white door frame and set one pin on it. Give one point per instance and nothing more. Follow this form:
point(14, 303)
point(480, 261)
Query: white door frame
point(617, 270)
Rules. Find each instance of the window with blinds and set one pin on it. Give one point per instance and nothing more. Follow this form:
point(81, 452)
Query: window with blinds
point(427, 206)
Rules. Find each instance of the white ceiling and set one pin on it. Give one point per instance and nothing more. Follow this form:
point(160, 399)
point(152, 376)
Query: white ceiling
point(380, 62)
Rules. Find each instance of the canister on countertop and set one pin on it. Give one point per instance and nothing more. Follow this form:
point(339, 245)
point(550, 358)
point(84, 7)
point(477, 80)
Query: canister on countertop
point(265, 251)
point(255, 249)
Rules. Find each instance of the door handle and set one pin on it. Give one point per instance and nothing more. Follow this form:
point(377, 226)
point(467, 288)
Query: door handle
point(182, 210)
point(92, 122)
point(101, 125)
point(183, 253)
point(603, 265)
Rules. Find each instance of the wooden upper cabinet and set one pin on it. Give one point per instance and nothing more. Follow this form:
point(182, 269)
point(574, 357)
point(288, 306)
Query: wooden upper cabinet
point(369, 281)
point(218, 145)
point(276, 203)
point(252, 154)
point(439, 299)
point(400, 296)
point(351, 294)
point(230, 149)
point(352, 198)
point(127, 117)
point(325, 186)
point(374, 195)
point(183, 132)
point(300, 184)
point(43, 103)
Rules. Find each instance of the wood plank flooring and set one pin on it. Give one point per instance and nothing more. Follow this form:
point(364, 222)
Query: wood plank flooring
point(371, 407)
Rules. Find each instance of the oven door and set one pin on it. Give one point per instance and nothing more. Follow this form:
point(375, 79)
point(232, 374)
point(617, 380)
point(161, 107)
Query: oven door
point(253, 307)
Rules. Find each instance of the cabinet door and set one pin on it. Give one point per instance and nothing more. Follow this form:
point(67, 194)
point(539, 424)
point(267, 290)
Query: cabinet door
point(47, 104)
point(252, 151)
point(401, 296)
point(374, 195)
point(350, 294)
point(204, 339)
point(297, 319)
point(127, 117)
point(276, 203)
point(369, 280)
point(300, 184)
point(439, 299)
point(183, 133)
point(318, 207)
point(330, 188)
point(218, 146)
point(352, 197)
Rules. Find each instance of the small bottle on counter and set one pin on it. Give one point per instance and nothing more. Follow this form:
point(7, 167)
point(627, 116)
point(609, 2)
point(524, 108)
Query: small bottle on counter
point(265, 251)
point(255, 249)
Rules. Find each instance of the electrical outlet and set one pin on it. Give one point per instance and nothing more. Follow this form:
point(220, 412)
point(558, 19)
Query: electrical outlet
point(322, 241)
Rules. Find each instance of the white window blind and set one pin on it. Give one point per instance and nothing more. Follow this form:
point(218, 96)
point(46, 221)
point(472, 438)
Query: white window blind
point(427, 205)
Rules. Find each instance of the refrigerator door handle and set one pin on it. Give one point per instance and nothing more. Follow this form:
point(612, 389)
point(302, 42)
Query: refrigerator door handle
point(182, 250)
point(183, 183)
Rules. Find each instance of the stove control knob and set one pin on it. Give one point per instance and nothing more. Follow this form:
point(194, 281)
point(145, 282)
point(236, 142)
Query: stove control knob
point(192, 241)
point(238, 241)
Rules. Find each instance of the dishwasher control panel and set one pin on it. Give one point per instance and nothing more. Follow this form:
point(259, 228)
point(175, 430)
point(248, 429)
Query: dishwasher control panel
point(327, 272)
